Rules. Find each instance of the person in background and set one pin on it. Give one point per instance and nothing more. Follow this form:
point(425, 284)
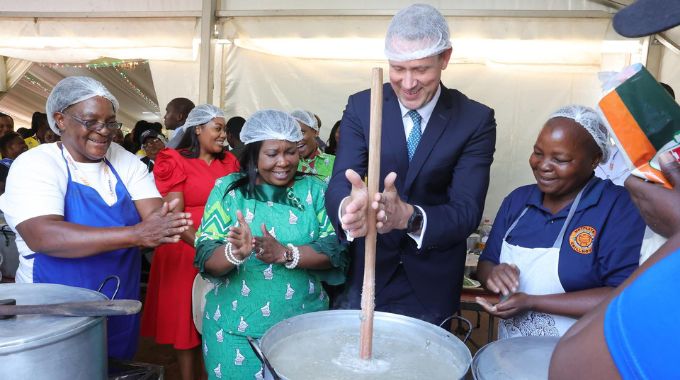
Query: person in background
point(51, 137)
point(24, 132)
point(11, 146)
point(234, 126)
point(140, 127)
point(334, 139)
point(118, 137)
point(6, 124)
point(312, 159)
point(319, 142)
point(176, 113)
point(266, 243)
point(558, 248)
point(436, 151)
point(82, 207)
point(129, 143)
point(186, 175)
point(634, 334)
point(39, 127)
point(152, 143)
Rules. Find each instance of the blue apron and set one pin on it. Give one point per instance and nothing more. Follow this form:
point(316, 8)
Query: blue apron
point(83, 205)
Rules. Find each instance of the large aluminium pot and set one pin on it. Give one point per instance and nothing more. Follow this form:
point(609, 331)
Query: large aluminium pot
point(325, 345)
point(520, 358)
point(53, 347)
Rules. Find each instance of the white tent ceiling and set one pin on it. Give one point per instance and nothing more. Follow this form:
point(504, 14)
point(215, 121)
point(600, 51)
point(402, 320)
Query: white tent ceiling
point(524, 58)
point(131, 84)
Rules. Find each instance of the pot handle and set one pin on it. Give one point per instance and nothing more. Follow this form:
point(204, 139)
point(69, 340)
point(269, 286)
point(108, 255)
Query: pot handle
point(112, 277)
point(260, 355)
point(458, 317)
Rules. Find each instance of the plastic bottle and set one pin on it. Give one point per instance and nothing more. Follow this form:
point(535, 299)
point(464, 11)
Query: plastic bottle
point(484, 231)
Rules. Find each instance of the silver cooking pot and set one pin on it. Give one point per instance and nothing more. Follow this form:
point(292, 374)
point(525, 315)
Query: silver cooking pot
point(311, 332)
point(520, 358)
point(43, 346)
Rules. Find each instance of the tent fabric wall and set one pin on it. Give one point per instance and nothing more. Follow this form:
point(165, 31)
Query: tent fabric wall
point(174, 79)
point(82, 40)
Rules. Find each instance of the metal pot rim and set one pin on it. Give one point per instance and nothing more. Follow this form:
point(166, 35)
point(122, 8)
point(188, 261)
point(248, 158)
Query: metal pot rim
point(276, 332)
point(12, 334)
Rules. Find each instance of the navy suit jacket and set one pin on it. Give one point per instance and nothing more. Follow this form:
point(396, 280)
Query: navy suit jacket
point(448, 177)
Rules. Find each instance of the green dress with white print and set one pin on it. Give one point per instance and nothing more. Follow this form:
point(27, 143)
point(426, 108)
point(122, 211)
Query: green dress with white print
point(321, 165)
point(250, 299)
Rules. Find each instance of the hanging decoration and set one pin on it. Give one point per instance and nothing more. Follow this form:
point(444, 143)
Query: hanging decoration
point(136, 90)
point(130, 65)
point(36, 82)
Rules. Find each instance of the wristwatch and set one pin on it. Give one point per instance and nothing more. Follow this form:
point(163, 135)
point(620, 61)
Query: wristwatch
point(415, 222)
point(288, 256)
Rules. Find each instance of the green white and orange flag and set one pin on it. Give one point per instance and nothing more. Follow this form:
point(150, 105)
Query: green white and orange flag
point(644, 121)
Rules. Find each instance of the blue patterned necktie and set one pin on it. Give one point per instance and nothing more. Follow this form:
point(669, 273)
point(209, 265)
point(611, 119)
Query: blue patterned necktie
point(414, 136)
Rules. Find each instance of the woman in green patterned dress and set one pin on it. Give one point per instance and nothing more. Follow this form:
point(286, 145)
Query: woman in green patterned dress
point(265, 242)
point(312, 159)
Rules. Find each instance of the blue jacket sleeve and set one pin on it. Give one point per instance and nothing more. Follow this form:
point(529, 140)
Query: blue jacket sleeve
point(467, 190)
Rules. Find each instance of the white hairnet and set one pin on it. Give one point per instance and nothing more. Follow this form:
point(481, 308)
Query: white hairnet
point(415, 32)
point(199, 115)
point(72, 90)
point(202, 114)
point(590, 121)
point(270, 125)
point(307, 118)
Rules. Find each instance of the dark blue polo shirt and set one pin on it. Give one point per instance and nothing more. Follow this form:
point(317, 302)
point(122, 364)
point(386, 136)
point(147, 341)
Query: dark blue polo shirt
point(601, 246)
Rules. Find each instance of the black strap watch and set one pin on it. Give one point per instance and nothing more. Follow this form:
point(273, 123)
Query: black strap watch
point(415, 222)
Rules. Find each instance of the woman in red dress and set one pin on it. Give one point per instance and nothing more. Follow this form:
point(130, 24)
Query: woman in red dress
point(188, 174)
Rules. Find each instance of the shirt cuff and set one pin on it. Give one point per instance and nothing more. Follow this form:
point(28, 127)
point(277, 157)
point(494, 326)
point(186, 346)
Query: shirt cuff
point(348, 237)
point(419, 237)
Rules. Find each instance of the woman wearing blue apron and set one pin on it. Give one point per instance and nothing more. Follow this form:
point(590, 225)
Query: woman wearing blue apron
point(87, 206)
point(558, 248)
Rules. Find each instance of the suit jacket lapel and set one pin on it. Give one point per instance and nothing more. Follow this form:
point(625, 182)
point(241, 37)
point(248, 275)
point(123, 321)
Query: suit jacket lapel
point(394, 139)
point(435, 127)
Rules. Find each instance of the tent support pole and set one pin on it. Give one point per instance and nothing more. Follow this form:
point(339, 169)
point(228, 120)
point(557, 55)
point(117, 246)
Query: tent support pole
point(205, 87)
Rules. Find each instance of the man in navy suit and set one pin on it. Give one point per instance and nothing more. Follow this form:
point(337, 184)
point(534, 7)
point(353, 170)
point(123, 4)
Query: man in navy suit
point(437, 146)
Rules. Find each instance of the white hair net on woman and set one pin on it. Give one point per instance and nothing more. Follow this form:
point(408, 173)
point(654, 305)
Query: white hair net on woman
point(72, 90)
point(305, 117)
point(202, 114)
point(199, 115)
point(590, 121)
point(415, 32)
point(270, 125)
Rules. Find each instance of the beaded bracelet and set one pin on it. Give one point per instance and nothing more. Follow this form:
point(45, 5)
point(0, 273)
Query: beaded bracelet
point(230, 255)
point(296, 257)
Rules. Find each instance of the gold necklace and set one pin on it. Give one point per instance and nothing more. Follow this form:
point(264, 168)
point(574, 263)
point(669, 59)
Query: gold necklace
point(84, 179)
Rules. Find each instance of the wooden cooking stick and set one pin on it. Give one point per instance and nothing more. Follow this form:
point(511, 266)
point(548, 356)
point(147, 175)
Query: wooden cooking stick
point(368, 290)
point(76, 309)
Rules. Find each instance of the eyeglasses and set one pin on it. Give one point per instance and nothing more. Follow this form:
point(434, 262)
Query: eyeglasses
point(93, 125)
